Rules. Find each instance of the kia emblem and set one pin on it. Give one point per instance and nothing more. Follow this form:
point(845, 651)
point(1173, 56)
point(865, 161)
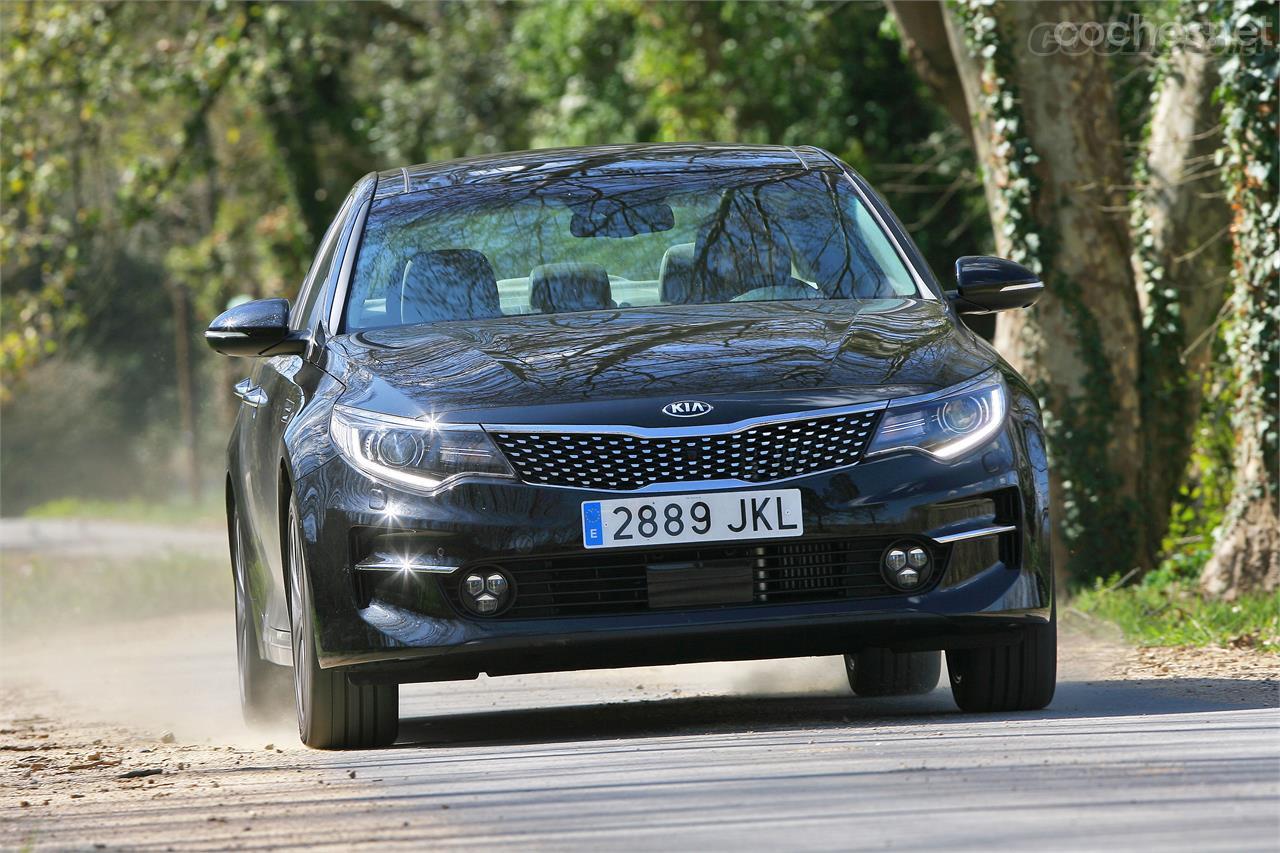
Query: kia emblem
point(686, 408)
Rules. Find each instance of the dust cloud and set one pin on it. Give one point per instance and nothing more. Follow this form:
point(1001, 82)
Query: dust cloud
point(127, 624)
point(128, 642)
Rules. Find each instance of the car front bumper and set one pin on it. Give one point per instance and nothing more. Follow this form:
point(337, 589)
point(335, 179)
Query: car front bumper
point(406, 627)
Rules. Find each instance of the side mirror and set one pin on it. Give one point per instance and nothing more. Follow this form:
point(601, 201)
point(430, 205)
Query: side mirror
point(256, 328)
point(985, 284)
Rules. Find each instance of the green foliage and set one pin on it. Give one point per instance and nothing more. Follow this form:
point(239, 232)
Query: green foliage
point(797, 74)
point(1165, 607)
point(1015, 153)
point(46, 217)
point(1200, 507)
point(43, 592)
point(162, 159)
point(1166, 610)
point(209, 513)
point(1251, 171)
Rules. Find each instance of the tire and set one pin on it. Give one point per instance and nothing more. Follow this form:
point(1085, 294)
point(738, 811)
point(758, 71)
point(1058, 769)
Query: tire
point(263, 685)
point(880, 672)
point(333, 713)
point(1017, 677)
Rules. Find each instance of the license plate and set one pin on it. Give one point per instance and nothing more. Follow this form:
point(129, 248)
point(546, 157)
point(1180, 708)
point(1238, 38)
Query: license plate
point(673, 519)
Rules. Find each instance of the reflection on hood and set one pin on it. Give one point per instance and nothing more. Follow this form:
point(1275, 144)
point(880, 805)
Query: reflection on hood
point(686, 350)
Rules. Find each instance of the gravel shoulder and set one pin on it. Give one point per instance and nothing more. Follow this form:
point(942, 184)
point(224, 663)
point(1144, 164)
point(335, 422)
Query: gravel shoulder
point(68, 784)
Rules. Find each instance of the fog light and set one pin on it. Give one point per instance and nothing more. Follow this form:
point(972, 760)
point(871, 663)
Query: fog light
point(905, 566)
point(485, 591)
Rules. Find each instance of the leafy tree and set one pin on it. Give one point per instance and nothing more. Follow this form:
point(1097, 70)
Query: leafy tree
point(1247, 552)
point(1131, 273)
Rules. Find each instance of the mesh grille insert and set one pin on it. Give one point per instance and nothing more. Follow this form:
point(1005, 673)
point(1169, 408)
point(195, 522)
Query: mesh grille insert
point(621, 462)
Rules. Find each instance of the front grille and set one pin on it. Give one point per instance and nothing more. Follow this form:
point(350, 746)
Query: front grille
point(616, 582)
point(621, 462)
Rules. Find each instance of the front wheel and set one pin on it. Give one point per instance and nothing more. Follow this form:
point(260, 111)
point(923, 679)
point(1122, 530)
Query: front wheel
point(880, 672)
point(333, 713)
point(1017, 677)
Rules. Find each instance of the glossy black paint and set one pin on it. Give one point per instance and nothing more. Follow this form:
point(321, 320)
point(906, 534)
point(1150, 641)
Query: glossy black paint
point(477, 521)
point(557, 164)
point(608, 366)
point(985, 284)
point(255, 328)
point(621, 368)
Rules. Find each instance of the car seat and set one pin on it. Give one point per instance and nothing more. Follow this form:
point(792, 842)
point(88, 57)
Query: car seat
point(449, 284)
point(572, 286)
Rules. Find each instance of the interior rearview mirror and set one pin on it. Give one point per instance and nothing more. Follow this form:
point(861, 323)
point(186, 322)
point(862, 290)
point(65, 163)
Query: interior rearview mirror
point(611, 217)
point(257, 328)
point(985, 284)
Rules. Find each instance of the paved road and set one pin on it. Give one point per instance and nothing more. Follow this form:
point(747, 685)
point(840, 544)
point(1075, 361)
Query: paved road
point(747, 756)
point(1112, 765)
point(713, 756)
point(73, 537)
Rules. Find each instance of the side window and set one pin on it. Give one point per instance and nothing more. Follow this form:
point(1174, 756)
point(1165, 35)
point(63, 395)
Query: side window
point(313, 285)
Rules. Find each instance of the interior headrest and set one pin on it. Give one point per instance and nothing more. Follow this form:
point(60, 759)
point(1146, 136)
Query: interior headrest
point(449, 284)
point(675, 276)
point(572, 286)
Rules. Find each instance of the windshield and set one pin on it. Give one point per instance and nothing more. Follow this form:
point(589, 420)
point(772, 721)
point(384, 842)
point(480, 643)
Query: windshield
point(598, 243)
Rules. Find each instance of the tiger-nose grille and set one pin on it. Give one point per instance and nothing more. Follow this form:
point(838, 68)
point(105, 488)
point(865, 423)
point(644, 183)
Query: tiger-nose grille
point(622, 462)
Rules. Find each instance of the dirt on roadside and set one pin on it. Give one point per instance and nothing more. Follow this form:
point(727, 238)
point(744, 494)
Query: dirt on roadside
point(1241, 670)
point(69, 783)
point(86, 775)
point(1100, 646)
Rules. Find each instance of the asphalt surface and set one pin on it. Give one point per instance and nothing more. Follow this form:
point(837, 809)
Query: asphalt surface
point(755, 756)
point(768, 755)
point(1110, 766)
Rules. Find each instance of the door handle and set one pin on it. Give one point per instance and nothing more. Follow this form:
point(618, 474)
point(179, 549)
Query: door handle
point(250, 393)
point(286, 410)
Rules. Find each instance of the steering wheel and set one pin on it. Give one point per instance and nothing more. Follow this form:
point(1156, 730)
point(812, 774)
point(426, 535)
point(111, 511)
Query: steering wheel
point(778, 292)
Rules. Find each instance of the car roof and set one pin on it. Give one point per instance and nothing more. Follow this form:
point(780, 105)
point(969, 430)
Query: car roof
point(549, 163)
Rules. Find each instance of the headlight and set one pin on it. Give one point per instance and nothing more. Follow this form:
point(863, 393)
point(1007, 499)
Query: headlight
point(418, 454)
point(945, 426)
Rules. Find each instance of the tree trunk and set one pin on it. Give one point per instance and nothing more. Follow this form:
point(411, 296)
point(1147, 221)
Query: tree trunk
point(924, 34)
point(1050, 145)
point(186, 395)
point(1180, 262)
point(1116, 345)
point(1246, 556)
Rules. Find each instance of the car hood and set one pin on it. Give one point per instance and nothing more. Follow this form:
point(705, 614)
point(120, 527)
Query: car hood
point(611, 366)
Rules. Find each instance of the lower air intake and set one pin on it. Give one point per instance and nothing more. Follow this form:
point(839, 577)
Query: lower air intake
point(641, 580)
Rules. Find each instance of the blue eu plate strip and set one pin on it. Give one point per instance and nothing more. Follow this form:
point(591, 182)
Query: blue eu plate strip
point(592, 526)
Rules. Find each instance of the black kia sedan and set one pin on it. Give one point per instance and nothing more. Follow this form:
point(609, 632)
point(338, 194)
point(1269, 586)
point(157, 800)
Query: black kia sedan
point(631, 405)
